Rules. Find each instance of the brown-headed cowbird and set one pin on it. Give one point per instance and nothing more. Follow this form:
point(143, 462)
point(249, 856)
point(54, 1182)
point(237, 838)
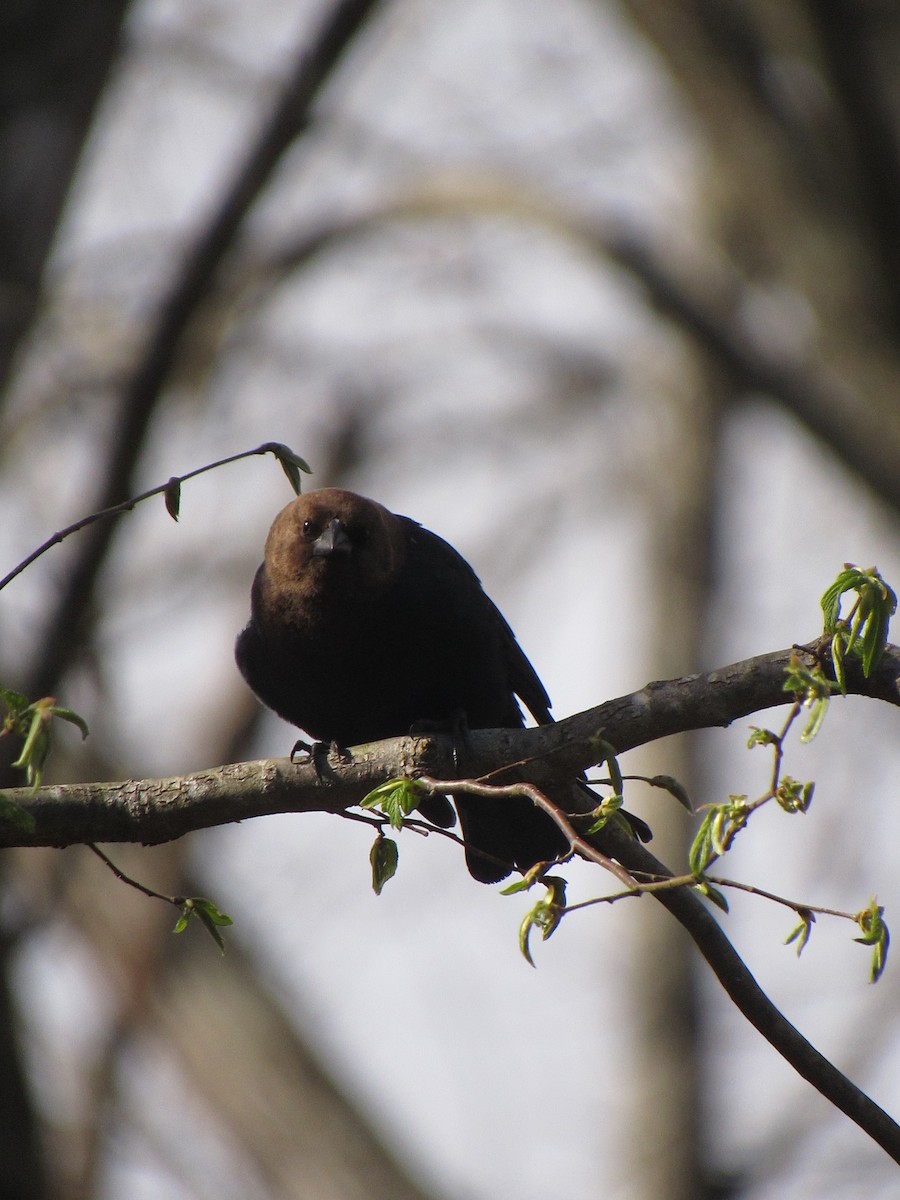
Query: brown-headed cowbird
point(364, 625)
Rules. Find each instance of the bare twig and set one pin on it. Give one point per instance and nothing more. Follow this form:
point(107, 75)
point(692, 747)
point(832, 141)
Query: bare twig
point(703, 298)
point(577, 843)
point(127, 505)
point(178, 901)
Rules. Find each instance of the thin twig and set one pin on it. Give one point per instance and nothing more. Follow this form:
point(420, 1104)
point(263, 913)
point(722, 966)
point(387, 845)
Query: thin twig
point(178, 901)
point(536, 796)
point(127, 505)
point(667, 883)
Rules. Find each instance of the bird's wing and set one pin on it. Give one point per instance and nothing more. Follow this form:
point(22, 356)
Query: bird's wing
point(522, 678)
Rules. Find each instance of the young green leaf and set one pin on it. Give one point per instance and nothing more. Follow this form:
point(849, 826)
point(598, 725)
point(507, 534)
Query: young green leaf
point(172, 497)
point(705, 888)
point(701, 852)
point(794, 796)
point(34, 753)
point(761, 737)
point(66, 714)
point(874, 933)
point(817, 711)
point(396, 798)
point(208, 914)
point(384, 857)
point(517, 885)
point(800, 933)
point(292, 464)
point(607, 810)
point(837, 659)
point(529, 879)
point(831, 598)
point(524, 934)
point(875, 634)
point(546, 914)
point(670, 784)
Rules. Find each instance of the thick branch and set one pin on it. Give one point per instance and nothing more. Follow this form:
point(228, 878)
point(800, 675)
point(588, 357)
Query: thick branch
point(752, 1001)
point(159, 810)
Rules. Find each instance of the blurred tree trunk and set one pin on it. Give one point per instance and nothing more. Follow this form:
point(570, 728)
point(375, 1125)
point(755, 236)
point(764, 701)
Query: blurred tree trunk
point(234, 1047)
point(667, 1155)
point(54, 61)
point(797, 103)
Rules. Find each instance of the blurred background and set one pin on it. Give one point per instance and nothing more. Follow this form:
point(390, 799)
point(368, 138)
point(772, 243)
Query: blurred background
point(606, 294)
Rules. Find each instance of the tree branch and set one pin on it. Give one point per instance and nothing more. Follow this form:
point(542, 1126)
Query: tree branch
point(737, 980)
point(703, 297)
point(158, 810)
point(163, 809)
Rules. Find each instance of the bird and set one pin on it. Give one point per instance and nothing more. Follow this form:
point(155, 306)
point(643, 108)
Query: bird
point(365, 625)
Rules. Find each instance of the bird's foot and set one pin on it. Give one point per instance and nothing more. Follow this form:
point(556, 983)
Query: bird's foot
point(319, 754)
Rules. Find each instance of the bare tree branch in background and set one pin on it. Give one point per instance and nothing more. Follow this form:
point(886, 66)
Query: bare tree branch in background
point(704, 296)
point(288, 118)
point(804, 200)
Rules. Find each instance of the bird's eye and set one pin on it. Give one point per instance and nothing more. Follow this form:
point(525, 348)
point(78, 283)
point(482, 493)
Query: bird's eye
point(309, 528)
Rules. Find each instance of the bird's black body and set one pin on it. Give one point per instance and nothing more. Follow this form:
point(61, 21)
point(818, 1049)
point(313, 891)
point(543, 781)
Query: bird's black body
point(364, 625)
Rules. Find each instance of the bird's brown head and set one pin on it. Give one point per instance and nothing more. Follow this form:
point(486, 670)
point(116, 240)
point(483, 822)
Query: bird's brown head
point(334, 539)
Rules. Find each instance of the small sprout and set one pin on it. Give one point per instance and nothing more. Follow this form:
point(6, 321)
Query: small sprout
point(794, 796)
point(812, 688)
point(718, 829)
point(800, 933)
point(33, 722)
point(670, 784)
point(15, 703)
point(605, 752)
point(701, 853)
point(705, 888)
point(384, 857)
point(864, 631)
point(607, 810)
point(546, 914)
point(292, 464)
point(875, 934)
point(534, 875)
point(837, 659)
point(762, 737)
point(817, 709)
point(396, 799)
point(172, 497)
point(208, 914)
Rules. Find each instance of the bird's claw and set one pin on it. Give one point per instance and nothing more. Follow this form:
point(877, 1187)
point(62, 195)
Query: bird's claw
point(319, 754)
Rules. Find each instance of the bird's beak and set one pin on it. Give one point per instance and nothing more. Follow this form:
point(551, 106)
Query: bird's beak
point(332, 540)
